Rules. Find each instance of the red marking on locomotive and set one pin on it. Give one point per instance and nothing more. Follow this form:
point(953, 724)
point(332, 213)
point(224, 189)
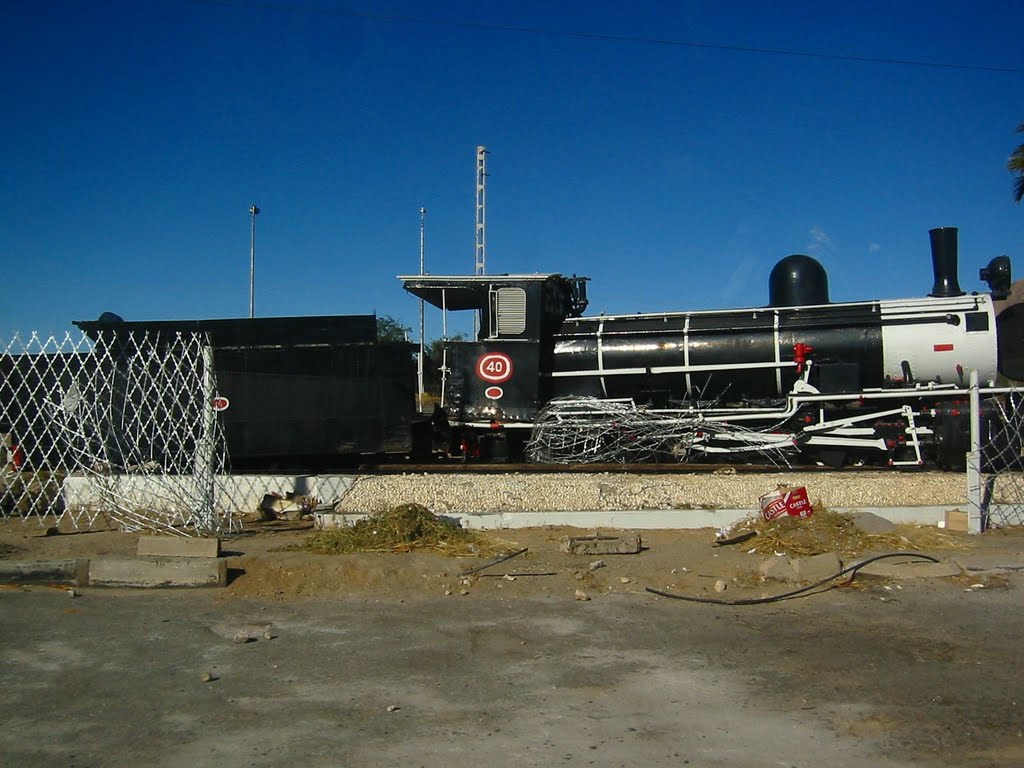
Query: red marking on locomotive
point(494, 367)
point(943, 347)
point(801, 352)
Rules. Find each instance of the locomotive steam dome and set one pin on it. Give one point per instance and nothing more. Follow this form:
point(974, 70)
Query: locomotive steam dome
point(797, 280)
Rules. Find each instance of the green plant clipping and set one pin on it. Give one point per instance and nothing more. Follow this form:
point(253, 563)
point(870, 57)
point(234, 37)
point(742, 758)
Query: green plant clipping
point(402, 529)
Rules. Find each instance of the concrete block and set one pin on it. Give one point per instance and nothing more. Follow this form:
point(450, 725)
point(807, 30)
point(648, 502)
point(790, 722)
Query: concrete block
point(817, 567)
point(628, 544)
point(955, 520)
point(872, 524)
point(777, 569)
point(159, 572)
point(178, 546)
point(45, 572)
point(889, 569)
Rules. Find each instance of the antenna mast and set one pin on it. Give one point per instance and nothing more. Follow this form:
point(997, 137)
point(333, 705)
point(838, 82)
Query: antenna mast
point(481, 211)
point(480, 257)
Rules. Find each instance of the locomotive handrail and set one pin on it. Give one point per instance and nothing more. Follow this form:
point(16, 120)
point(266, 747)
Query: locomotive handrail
point(668, 369)
point(791, 325)
point(959, 303)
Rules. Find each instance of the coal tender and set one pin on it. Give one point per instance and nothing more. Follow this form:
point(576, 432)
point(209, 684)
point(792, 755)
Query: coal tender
point(870, 382)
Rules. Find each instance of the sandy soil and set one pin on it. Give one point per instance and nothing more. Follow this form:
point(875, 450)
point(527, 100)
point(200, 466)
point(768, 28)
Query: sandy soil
point(262, 563)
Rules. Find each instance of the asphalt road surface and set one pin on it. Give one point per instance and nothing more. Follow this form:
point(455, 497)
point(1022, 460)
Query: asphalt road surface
point(923, 675)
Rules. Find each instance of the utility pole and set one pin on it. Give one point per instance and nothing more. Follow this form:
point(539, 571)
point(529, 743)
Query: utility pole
point(419, 366)
point(252, 262)
point(480, 256)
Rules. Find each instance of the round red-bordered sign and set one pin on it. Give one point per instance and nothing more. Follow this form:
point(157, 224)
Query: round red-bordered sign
point(494, 367)
point(220, 403)
point(494, 393)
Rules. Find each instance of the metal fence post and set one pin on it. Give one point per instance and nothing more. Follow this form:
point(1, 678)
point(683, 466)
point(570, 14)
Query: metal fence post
point(975, 512)
point(205, 462)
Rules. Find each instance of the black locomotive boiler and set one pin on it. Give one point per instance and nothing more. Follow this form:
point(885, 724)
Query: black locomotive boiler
point(877, 382)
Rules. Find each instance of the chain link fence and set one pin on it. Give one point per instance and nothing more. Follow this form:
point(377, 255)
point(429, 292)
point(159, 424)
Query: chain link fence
point(120, 428)
point(995, 466)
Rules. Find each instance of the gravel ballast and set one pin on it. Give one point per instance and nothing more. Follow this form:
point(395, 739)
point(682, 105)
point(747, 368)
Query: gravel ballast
point(460, 493)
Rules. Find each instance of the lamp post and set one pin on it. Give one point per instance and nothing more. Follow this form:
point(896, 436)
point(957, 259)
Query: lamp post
point(419, 372)
point(252, 263)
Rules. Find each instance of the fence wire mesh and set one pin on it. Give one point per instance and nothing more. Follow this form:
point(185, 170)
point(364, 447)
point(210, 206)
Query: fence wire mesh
point(593, 431)
point(1002, 461)
point(121, 429)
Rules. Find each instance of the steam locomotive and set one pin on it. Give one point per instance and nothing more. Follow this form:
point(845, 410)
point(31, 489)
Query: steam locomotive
point(871, 382)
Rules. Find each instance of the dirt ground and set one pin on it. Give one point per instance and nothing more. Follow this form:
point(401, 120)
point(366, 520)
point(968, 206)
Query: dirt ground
point(379, 659)
point(263, 564)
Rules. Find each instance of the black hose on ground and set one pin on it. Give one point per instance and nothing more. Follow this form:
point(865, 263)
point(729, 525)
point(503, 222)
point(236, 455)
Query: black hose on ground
point(792, 593)
point(494, 562)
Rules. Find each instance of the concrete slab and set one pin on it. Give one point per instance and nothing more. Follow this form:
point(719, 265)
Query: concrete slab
point(628, 544)
point(44, 572)
point(641, 519)
point(984, 562)
point(235, 493)
point(777, 569)
point(158, 572)
point(872, 524)
point(890, 569)
point(177, 546)
point(817, 567)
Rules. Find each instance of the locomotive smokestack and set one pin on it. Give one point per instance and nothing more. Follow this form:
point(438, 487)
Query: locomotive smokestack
point(944, 262)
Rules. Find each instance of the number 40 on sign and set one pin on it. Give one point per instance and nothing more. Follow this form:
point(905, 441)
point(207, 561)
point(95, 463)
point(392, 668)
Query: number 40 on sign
point(494, 367)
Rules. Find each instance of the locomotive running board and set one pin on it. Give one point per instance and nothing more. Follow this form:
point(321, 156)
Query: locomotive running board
point(847, 442)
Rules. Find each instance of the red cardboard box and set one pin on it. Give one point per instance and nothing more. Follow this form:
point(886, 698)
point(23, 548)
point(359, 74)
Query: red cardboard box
point(786, 501)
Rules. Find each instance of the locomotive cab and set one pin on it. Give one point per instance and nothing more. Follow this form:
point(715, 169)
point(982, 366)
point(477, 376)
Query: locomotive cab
point(497, 381)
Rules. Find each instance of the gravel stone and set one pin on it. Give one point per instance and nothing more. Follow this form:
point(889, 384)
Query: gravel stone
point(473, 494)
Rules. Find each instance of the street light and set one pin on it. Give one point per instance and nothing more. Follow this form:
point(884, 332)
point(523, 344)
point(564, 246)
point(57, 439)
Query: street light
point(252, 263)
point(419, 366)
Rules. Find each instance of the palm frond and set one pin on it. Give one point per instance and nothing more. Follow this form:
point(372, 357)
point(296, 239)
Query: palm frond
point(1015, 164)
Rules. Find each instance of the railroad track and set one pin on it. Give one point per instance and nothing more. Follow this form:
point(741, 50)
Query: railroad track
point(626, 469)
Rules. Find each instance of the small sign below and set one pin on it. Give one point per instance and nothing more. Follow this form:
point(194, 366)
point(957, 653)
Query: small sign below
point(494, 393)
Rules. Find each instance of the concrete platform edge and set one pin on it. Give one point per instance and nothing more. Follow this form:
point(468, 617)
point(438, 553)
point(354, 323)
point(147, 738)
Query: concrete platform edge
point(649, 519)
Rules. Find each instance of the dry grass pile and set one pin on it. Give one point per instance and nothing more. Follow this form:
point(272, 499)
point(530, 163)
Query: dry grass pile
point(828, 531)
point(403, 529)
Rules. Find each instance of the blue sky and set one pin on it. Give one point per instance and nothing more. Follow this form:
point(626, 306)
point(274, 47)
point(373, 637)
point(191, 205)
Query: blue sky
point(136, 135)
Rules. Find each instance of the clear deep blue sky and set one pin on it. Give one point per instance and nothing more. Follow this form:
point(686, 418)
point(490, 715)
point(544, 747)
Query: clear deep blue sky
point(136, 134)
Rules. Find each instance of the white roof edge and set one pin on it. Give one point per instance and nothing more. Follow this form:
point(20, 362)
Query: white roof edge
point(479, 278)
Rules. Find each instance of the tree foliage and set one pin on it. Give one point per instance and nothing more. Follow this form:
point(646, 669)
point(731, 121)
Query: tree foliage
point(435, 348)
point(391, 329)
point(1015, 165)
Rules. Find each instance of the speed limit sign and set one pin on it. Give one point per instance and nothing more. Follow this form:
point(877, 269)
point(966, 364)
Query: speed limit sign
point(494, 367)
